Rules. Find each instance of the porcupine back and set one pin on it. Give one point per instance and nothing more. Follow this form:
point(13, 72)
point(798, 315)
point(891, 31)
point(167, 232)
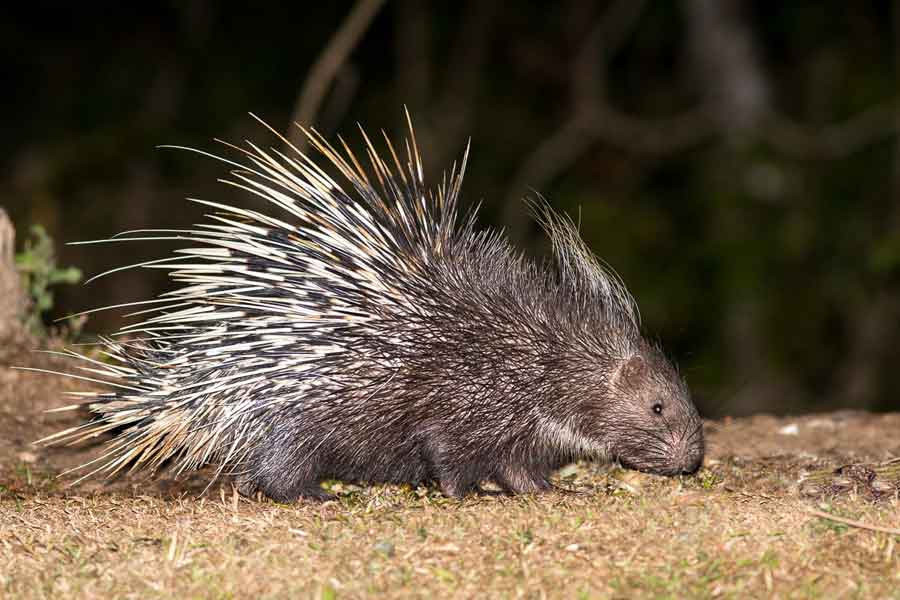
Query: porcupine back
point(364, 330)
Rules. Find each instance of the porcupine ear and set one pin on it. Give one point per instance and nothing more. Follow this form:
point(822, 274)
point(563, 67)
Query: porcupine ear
point(581, 269)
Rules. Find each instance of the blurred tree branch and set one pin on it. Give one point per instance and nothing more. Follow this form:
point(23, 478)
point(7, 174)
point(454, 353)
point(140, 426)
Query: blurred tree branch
point(594, 119)
point(833, 141)
point(413, 56)
point(453, 107)
point(327, 66)
point(737, 104)
point(446, 103)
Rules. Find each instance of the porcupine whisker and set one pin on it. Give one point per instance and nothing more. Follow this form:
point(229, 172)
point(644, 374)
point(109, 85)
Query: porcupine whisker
point(698, 431)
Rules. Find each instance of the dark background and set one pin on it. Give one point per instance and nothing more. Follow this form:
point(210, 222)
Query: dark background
point(735, 161)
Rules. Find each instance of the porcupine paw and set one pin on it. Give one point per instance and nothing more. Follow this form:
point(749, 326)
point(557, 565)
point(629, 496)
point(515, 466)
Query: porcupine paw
point(458, 483)
point(310, 491)
point(314, 493)
point(246, 486)
point(283, 490)
point(454, 479)
point(519, 480)
point(455, 488)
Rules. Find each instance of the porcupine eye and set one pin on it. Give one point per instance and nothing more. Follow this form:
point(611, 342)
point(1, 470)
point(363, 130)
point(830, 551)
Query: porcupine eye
point(657, 408)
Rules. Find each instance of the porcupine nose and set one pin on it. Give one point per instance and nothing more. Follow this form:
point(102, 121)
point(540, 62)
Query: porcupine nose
point(691, 458)
point(692, 463)
point(692, 448)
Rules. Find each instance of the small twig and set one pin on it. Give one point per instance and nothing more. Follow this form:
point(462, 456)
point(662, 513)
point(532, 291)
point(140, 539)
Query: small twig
point(852, 523)
point(327, 65)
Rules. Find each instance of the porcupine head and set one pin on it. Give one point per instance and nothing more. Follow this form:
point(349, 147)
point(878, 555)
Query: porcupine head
point(363, 330)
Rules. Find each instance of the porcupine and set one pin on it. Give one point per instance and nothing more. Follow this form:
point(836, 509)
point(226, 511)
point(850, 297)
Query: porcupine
point(371, 332)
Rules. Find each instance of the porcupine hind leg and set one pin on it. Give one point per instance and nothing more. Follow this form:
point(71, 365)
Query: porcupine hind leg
point(282, 475)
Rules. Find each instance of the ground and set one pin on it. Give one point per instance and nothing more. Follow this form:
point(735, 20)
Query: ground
point(755, 522)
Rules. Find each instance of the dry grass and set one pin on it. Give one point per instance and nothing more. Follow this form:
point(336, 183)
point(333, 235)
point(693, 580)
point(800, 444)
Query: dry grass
point(739, 529)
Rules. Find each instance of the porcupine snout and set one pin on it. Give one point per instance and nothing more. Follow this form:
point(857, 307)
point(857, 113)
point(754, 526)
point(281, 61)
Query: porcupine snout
point(688, 448)
point(683, 456)
point(691, 458)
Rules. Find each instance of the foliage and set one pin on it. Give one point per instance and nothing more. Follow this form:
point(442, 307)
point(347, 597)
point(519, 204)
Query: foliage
point(37, 264)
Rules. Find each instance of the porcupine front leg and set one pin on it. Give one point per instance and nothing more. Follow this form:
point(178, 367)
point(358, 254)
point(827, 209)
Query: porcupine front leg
point(458, 485)
point(455, 477)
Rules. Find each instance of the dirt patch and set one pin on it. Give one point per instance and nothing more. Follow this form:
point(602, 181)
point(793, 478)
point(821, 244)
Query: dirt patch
point(742, 527)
